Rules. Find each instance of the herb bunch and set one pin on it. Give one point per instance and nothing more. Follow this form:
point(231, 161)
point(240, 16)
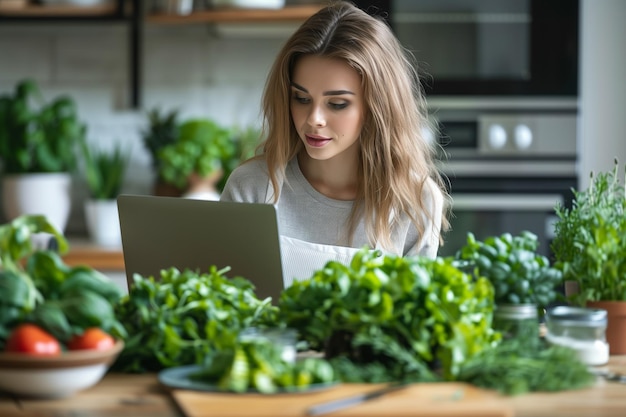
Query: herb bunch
point(511, 263)
point(590, 239)
point(411, 315)
point(517, 366)
point(183, 316)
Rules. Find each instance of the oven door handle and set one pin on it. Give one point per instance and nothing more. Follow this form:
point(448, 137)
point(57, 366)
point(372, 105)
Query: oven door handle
point(508, 202)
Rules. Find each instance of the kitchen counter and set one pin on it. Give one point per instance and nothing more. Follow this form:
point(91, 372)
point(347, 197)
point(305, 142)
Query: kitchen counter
point(126, 395)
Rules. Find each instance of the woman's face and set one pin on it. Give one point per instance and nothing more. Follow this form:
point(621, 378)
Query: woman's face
point(327, 106)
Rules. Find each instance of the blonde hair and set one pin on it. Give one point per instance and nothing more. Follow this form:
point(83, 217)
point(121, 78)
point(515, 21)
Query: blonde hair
point(396, 159)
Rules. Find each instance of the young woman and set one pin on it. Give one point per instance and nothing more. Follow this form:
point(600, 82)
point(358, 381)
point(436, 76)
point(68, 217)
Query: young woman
point(345, 159)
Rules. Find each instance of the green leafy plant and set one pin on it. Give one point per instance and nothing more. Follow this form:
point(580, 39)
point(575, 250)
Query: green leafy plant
point(36, 286)
point(105, 170)
point(511, 263)
point(36, 136)
point(15, 246)
point(205, 145)
point(182, 316)
point(246, 141)
point(201, 148)
point(162, 130)
point(412, 316)
point(590, 239)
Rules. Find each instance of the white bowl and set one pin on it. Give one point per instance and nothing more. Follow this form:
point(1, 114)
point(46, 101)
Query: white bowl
point(55, 376)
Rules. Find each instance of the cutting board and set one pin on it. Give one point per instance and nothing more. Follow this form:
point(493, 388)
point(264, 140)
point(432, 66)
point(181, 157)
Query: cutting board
point(417, 400)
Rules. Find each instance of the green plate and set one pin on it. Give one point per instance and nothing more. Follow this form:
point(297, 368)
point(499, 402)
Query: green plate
point(178, 377)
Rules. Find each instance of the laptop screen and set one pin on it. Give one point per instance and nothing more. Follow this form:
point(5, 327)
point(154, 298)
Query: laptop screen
point(164, 232)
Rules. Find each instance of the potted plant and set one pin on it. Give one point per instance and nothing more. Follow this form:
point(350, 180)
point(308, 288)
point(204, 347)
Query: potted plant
point(195, 162)
point(38, 146)
point(246, 141)
point(104, 174)
point(162, 130)
point(590, 248)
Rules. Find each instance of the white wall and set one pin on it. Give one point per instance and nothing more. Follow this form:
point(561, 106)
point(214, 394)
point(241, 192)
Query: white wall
point(188, 67)
point(185, 67)
point(602, 86)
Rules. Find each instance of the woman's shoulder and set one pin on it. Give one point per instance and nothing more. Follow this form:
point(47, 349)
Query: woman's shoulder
point(248, 182)
point(252, 168)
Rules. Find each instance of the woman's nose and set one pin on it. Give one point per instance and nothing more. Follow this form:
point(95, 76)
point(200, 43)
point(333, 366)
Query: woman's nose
point(317, 117)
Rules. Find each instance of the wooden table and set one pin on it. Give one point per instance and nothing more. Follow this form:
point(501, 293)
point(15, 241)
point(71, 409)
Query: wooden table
point(130, 395)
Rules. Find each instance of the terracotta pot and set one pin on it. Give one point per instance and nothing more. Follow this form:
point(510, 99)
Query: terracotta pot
point(203, 188)
point(164, 189)
point(616, 329)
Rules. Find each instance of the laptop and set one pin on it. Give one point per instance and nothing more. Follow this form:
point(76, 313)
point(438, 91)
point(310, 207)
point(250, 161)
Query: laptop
point(163, 232)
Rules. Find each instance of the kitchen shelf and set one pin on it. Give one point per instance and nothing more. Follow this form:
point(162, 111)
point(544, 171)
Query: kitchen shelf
point(108, 11)
point(127, 12)
point(238, 15)
point(83, 252)
point(130, 12)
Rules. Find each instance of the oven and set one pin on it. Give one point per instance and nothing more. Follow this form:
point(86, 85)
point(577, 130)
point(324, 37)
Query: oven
point(489, 47)
point(507, 167)
point(501, 82)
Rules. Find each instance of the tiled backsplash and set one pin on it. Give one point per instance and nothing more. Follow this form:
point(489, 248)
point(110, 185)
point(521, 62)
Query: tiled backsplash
point(184, 67)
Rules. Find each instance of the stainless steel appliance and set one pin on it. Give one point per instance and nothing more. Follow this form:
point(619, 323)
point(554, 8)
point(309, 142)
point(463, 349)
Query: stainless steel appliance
point(508, 163)
point(501, 81)
point(489, 47)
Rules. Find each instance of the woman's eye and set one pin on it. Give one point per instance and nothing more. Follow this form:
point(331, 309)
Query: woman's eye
point(301, 100)
point(338, 106)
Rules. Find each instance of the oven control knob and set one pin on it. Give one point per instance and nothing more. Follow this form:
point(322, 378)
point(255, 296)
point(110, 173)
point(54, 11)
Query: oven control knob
point(497, 136)
point(428, 134)
point(523, 137)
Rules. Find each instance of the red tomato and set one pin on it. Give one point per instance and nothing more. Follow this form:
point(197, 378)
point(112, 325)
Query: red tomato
point(32, 339)
point(92, 338)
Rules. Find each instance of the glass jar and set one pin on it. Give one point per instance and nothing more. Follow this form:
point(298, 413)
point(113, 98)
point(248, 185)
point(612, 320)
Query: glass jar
point(582, 329)
point(516, 320)
point(284, 339)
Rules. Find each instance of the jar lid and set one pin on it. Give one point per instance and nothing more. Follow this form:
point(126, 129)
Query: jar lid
point(516, 311)
point(593, 317)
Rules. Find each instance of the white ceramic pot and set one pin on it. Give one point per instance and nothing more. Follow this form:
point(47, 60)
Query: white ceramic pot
point(48, 194)
point(103, 224)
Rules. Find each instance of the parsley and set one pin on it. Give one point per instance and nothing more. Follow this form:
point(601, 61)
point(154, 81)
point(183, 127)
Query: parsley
point(590, 240)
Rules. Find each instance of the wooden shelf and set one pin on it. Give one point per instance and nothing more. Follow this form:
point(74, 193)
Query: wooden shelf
point(84, 252)
point(234, 15)
point(59, 10)
point(131, 12)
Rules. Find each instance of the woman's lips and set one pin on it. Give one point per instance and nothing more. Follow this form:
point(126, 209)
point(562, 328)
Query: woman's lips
point(316, 141)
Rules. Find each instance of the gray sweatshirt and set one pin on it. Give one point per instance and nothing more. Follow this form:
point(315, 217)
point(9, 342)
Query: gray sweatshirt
point(306, 214)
